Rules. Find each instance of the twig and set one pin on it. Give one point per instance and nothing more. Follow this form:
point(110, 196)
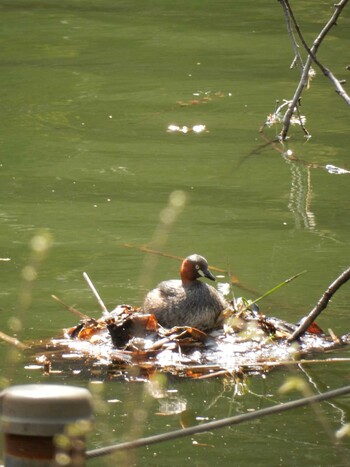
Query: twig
point(296, 362)
point(209, 426)
point(302, 126)
point(269, 292)
point(321, 305)
point(145, 249)
point(70, 308)
point(297, 57)
point(311, 55)
point(267, 364)
point(233, 279)
point(94, 291)
point(13, 341)
point(339, 88)
point(213, 375)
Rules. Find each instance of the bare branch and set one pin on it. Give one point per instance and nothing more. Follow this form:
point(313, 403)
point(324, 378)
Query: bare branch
point(311, 57)
point(13, 341)
point(321, 305)
point(71, 309)
point(339, 88)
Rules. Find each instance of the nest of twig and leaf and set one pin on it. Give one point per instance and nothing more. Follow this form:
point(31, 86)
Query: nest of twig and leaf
point(127, 344)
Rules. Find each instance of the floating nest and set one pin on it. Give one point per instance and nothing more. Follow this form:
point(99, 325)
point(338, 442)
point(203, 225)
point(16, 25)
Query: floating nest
point(126, 344)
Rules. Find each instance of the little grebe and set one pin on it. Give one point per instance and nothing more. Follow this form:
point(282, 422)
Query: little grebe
point(187, 302)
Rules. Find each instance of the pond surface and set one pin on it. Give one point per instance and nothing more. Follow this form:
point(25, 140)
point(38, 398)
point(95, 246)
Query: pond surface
point(89, 90)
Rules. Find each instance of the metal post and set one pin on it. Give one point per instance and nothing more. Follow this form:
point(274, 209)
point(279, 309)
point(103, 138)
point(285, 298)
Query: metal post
point(45, 425)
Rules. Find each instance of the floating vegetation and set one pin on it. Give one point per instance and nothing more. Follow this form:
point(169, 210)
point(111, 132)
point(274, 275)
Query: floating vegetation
point(203, 97)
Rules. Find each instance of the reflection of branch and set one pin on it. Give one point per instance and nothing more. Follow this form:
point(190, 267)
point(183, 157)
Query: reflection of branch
point(321, 305)
point(309, 214)
point(311, 57)
point(290, 156)
point(300, 198)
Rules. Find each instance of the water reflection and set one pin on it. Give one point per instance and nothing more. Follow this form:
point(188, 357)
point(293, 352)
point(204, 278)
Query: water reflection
point(300, 197)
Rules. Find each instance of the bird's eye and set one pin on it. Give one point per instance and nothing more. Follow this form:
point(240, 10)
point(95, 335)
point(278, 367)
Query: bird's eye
point(197, 266)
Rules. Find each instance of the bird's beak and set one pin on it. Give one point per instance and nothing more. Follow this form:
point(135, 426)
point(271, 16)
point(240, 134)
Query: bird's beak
point(208, 274)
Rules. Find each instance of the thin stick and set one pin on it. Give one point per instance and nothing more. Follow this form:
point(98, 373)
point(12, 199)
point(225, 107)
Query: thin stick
point(145, 249)
point(71, 309)
point(13, 341)
point(233, 279)
point(216, 369)
point(209, 426)
point(297, 57)
point(321, 305)
point(94, 291)
point(269, 292)
point(295, 362)
point(213, 375)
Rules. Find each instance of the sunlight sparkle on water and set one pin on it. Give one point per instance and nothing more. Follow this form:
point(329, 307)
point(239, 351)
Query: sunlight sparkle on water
point(185, 129)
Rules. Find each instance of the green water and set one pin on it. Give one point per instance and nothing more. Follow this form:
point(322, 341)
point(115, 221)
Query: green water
point(88, 90)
